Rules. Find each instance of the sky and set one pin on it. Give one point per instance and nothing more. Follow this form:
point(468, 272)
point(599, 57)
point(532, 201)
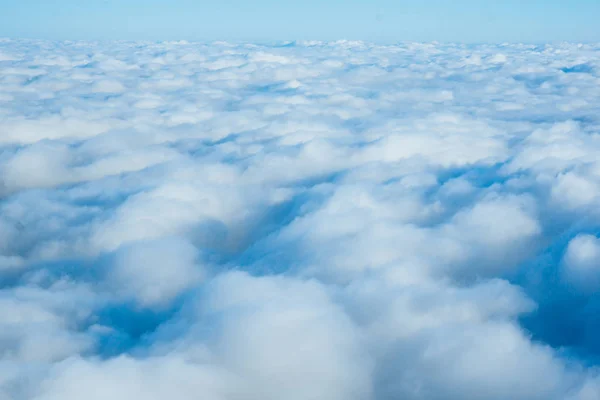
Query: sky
point(471, 21)
point(315, 220)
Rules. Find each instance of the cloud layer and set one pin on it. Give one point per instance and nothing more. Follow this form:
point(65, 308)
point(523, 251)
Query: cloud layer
point(301, 221)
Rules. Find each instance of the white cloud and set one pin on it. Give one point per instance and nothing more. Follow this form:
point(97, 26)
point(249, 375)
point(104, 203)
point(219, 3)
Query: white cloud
point(108, 87)
point(156, 272)
point(309, 220)
point(581, 263)
point(286, 339)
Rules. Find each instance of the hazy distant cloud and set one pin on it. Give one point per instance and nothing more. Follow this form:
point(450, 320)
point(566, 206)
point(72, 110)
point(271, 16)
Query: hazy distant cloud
point(310, 220)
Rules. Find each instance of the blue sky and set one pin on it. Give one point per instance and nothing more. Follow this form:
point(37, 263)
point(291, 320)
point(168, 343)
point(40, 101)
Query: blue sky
point(331, 221)
point(265, 20)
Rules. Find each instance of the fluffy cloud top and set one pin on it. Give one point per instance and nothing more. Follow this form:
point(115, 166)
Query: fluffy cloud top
point(299, 221)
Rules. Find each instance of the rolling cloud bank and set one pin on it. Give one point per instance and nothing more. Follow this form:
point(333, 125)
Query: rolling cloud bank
point(304, 221)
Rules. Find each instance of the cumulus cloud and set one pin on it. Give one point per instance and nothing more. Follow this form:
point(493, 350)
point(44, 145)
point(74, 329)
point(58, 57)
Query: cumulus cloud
point(303, 220)
point(580, 263)
point(155, 272)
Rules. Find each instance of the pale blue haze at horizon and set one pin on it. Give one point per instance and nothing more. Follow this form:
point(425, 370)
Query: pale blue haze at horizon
point(468, 21)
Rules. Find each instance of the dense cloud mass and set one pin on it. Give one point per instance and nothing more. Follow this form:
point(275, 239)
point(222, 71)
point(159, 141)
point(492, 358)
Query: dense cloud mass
point(300, 221)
